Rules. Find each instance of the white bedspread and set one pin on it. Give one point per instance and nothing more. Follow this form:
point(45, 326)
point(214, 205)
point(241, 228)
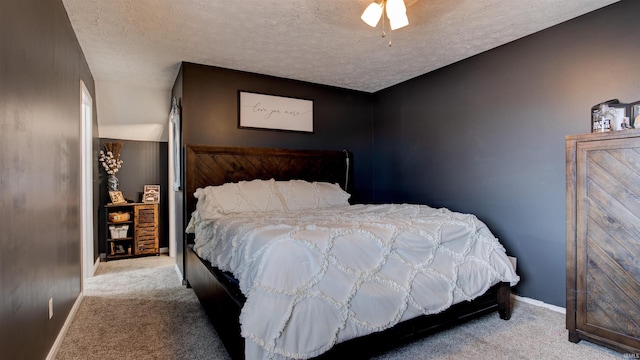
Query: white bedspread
point(316, 278)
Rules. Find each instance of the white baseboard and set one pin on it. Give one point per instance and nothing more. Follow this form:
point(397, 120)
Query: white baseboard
point(541, 304)
point(179, 273)
point(163, 250)
point(95, 265)
point(67, 323)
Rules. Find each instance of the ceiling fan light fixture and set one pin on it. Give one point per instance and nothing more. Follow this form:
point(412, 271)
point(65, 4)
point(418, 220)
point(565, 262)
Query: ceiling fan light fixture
point(395, 7)
point(372, 14)
point(398, 21)
point(397, 14)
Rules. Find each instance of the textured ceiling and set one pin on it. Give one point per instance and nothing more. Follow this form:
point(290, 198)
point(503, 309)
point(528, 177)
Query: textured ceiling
point(142, 42)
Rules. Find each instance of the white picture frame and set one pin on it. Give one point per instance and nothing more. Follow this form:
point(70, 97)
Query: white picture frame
point(151, 194)
point(635, 115)
point(619, 114)
point(262, 111)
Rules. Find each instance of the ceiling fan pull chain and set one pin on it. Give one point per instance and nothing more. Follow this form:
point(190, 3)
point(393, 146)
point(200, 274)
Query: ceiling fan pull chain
point(383, 22)
point(384, 34)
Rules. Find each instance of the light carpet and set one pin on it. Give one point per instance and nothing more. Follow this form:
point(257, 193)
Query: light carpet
point(138, 309)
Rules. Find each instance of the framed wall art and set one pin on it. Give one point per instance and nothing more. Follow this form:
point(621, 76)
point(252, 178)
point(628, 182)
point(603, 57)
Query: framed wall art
point(261, 111)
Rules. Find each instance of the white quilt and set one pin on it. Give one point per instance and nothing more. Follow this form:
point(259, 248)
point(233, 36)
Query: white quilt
point(316, 278)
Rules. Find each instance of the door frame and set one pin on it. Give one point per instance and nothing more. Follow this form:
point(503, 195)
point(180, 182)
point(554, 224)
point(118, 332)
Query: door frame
point(86, 221)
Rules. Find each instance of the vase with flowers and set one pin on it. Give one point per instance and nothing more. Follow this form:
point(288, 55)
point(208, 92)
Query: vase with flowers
point(111, 162)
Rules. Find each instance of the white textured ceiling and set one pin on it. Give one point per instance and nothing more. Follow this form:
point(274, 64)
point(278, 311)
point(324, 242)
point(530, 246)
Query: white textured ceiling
point(140, 43)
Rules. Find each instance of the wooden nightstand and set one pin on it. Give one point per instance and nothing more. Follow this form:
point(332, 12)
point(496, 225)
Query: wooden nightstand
point(132, 230)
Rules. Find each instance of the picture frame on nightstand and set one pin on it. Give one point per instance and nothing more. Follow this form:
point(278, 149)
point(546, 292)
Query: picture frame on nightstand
point(117, 197)
point(151, 194)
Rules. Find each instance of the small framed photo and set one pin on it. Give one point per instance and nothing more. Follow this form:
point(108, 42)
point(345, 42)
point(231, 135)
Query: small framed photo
point(117, 197)
point(634, 119)
point(618, 113)
point(601, 122)
point(151, 194)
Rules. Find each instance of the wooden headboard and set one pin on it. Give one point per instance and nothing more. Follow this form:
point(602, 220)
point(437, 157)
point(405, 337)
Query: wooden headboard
point(216, 165)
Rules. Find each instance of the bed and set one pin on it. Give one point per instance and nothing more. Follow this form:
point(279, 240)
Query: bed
point(280, 170)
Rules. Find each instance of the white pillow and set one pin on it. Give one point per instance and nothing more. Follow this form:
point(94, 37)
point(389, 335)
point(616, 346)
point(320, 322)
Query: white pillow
point(332, 194)
point(302, 195)
point(244, 196)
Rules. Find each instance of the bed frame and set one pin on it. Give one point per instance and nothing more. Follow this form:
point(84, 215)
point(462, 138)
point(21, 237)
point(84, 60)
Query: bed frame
point(221, 298)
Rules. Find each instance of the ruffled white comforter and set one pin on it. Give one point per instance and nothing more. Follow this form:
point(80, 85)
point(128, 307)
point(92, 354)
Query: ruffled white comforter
point(316, 278)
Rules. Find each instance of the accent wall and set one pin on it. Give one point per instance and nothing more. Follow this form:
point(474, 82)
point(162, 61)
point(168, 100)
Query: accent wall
point(486, 135)
point(208, 98)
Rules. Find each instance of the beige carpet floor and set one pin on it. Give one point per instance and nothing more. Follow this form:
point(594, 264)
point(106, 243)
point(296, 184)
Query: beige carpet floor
point(137, 309)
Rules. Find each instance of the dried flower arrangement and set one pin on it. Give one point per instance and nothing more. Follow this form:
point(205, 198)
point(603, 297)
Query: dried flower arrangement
point(110, 158)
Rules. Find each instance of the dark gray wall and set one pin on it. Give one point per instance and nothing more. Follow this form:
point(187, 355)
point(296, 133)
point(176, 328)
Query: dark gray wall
point(41, 65)
point(486, 135)
point(209, 106)
point(144, 163)
point(342, 118)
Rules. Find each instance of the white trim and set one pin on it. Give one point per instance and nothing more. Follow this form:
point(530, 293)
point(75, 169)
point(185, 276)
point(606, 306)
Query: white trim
point(139, 132)
point(63, 332)
point(164, 250)
point(96, 264)
point(172, 194)
point(86, 183)
point(179, 273)
point(541, 304)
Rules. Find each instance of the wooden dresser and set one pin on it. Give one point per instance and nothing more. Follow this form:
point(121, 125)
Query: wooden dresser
point(603, 239)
